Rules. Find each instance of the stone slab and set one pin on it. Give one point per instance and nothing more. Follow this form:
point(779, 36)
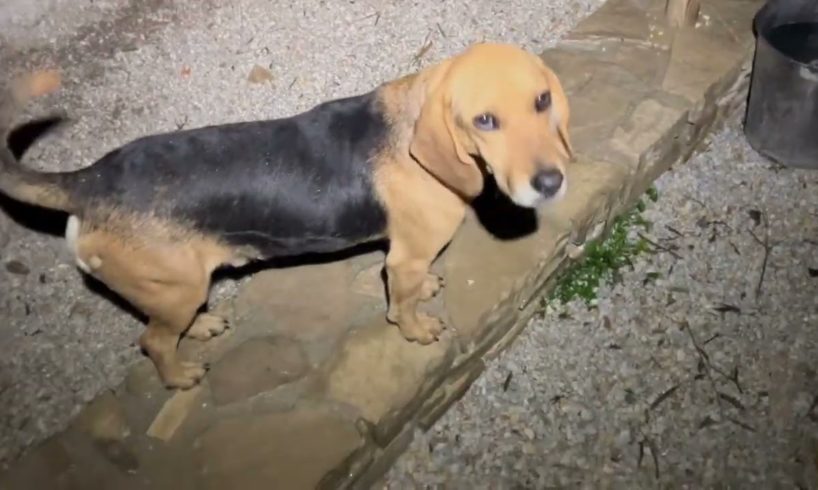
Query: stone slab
point(290, 450)
point(377, 371)
point(256, 366)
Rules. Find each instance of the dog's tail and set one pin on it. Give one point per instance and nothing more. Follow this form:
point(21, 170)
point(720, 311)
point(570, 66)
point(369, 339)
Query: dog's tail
point(19, 183)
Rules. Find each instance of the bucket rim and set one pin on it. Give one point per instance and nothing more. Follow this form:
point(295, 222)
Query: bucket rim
point(761, 35)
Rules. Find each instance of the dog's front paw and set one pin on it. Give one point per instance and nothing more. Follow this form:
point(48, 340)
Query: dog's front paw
point(431, 286)
point(207, 326)
point(183, 375)
point(424, 331)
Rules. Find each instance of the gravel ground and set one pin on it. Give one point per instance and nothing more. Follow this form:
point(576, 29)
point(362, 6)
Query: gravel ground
point(690, 373)
point(137, 67)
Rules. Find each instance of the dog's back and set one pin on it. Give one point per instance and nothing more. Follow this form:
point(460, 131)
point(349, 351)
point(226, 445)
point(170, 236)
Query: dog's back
point(283, 186)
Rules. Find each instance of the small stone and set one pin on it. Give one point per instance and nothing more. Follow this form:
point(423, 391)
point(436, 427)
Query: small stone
point(259, 74)
point(173, 413)
point(80, 310)
point(17, 267)
point(256, 366)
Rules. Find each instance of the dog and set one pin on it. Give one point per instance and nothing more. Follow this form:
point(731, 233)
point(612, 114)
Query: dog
point(153, 219)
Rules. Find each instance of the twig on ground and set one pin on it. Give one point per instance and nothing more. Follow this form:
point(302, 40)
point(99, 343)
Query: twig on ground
point(658, 246)
point(427, 45)
point(767, 248)
point(664, 396)
point(375, 14)
point(743, 425)
point(811, 413)
point(697, 201)
point(734, 247)
point(732, 401)
point(654, 453)
point(674, 231)
point(705, 359)
point(180, 125)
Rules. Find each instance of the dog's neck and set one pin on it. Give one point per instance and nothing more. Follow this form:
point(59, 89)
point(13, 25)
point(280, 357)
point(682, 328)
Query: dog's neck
point(403, 98)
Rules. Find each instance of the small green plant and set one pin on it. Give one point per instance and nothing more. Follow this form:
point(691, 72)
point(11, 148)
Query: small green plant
point(603, 259)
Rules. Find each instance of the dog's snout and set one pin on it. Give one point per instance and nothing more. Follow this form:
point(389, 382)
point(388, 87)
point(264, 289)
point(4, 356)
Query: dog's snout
point(547, 182)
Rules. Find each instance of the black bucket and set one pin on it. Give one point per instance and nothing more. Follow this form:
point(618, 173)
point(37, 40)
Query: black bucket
point(782, 110)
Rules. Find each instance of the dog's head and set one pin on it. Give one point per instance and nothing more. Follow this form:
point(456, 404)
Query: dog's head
point(501, 105)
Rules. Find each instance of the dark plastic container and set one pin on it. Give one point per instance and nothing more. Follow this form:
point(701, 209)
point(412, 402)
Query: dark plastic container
point(782, 110)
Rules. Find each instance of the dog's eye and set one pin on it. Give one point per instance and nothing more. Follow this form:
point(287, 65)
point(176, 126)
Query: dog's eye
point(543, 101)
point(486, 122)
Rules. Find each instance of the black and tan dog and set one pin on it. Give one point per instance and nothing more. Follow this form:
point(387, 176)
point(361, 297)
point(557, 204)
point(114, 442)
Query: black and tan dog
point(154, 218)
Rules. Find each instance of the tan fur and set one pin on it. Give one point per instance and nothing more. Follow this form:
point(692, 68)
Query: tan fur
point(427, 176)
point(164, 271)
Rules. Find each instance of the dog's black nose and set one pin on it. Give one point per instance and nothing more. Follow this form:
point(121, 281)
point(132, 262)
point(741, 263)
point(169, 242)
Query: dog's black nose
point(547, 182)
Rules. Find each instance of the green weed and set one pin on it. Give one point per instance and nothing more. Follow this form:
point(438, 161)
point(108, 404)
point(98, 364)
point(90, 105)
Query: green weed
point(603, 259)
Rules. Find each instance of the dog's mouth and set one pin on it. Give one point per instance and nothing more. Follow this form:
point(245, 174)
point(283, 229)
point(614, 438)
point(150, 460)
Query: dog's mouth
point(523, 195)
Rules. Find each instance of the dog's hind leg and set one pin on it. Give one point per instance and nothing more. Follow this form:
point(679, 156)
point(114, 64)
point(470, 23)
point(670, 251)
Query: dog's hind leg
point(168, 282)
point(169, 318)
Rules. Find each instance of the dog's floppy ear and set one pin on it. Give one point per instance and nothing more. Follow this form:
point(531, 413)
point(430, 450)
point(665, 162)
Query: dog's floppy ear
point(436, 143)
point(561, 110)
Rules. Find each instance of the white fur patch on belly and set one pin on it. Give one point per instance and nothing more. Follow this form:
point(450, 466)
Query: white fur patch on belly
point(72, 233)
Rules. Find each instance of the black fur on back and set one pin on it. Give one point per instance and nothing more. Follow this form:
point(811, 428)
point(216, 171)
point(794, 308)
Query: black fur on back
point(287, 186)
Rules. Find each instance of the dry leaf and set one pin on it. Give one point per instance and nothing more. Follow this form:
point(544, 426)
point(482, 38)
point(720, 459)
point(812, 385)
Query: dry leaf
point(259, 74)
point(44, 82)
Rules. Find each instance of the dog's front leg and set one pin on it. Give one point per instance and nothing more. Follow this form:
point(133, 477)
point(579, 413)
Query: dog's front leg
point(412, 249)
point(409, 282)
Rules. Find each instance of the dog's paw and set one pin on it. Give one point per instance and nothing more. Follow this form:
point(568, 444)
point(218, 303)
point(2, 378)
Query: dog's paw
point(432, 285)
point(184, 375)
point(426, 330)
point(207, 326)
